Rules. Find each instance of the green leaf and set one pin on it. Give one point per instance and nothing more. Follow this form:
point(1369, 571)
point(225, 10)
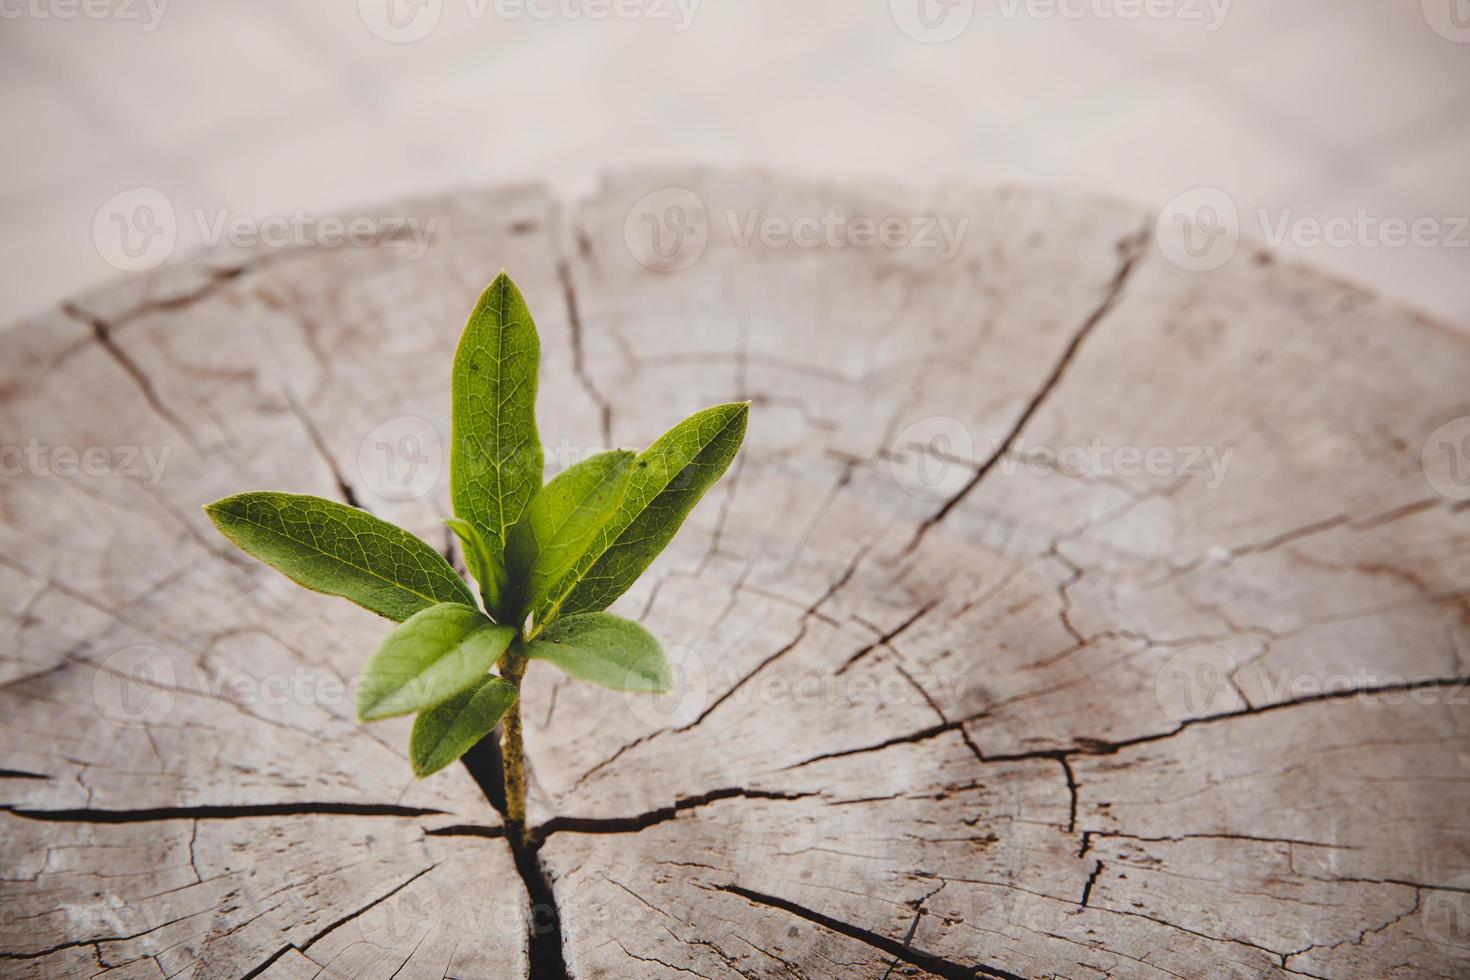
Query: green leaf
point(488, 571)
point(672, 475)
point(564, 520)
point(340, 550)
point(450, 729)
point(495, 454)
point(433, 656)
point(606, 650)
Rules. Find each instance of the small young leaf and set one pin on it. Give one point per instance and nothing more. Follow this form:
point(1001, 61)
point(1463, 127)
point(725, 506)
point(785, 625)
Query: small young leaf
point(450, 729)
point(495, 455)
point(487, 570)
point(606, 650)
point(433, 656)
point(340, 550)
point(562, 523)
point(673, 474)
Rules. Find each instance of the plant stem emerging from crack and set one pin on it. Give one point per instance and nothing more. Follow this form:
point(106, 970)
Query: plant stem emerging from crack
point(513, 750)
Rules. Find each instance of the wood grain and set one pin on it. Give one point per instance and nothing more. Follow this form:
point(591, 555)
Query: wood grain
point(950, 703)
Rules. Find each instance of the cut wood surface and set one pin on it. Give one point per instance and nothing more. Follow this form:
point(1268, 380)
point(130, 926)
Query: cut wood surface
point(1066, 614)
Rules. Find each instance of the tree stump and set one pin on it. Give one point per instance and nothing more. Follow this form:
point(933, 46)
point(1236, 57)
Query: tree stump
point(1067, 613)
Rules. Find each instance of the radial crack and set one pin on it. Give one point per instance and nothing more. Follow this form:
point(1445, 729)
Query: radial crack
point(1130, 248)
point(934, 963)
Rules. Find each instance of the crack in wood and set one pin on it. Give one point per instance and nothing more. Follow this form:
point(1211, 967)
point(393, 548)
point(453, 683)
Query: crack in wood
point(937, 965)
point(642, 821)
point(89, 815)
point(1130, 249)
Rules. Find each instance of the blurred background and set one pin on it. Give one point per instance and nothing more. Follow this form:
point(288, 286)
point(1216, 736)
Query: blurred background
point(1336, 129)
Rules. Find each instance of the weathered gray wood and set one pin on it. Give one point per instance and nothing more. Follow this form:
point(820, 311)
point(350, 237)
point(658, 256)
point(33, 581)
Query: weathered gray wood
point(922, 729)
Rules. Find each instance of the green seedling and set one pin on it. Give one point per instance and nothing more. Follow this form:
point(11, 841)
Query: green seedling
point(548, 559)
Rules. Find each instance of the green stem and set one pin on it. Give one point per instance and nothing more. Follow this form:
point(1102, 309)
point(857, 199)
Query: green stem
point(513, 750)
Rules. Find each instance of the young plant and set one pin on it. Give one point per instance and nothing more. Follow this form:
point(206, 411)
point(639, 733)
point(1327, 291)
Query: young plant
point(548, 559)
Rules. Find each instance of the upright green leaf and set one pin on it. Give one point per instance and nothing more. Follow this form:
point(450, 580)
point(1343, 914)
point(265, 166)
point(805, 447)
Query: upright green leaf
point(450, 729)
point(495, 454)
point(562, 523)
point(486, 569)
point(340, 550)
point(606, 650)
point(672, 476)
point(430, 658)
